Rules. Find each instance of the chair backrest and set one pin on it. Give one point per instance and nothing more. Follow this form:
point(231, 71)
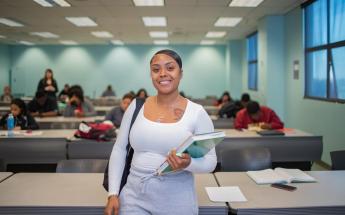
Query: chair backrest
point(81, 166)
point(338, 160)
point(240, 160)
point(2, 165)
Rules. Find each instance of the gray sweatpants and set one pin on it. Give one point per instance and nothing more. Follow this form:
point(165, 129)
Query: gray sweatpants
point(169, 194)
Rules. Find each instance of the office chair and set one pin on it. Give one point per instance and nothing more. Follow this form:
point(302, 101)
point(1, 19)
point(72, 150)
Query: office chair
point(338, 160)
point(240, 160)
point(81, 166)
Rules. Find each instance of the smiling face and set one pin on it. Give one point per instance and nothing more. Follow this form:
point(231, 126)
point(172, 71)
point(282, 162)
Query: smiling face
point(165, 74)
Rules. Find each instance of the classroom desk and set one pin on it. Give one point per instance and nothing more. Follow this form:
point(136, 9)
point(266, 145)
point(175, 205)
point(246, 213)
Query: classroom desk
point(5, 175)
point(76, 193)
point(61, 122)
point(222, 123)
point(327, 196)
point(295, 146)
point(53, 193)
point(205, 205)
point(103, 110)
point(4, 110)
point(211, 110)
point(5, 104)
point(89, 149)
point(48, 147)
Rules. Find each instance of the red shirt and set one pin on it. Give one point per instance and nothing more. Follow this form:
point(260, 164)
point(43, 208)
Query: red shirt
point(266, 115)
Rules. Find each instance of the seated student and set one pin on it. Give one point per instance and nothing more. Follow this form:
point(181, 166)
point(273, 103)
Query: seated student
point(43, 105)
point(230, 109)
point(108, 92)
point(116, 114)
point(63, 95)
point(256, 114)
point(22, 119)
point(224, 99)
point(245, 98)
point(6, 97)
point(77, 105)
point(142, 93)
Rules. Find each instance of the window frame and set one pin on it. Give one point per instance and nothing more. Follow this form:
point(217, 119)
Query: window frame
point(328, 48)
point(250, 62)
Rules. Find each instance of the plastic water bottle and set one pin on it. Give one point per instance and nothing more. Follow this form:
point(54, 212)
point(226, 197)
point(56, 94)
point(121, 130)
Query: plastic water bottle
point(10, 125)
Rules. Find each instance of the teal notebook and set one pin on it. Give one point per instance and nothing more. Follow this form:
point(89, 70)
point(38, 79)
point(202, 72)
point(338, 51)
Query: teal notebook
point(196, 146)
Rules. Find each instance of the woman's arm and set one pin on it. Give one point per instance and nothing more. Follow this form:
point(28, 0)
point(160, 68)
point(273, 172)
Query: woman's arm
point(118, 154)
point(203, 124)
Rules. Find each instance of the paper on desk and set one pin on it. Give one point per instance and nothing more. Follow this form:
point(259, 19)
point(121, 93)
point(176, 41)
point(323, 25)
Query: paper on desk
point(225, 194)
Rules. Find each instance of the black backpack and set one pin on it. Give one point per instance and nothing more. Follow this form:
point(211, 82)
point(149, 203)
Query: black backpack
point(130, 151)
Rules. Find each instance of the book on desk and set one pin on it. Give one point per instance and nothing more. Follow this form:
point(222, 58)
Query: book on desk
point(279, 175)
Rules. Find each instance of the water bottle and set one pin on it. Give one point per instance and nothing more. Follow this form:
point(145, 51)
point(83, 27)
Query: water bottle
point(10, 125)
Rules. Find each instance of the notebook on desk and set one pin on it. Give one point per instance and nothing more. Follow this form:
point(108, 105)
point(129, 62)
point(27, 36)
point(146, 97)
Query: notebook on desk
point(271, 133)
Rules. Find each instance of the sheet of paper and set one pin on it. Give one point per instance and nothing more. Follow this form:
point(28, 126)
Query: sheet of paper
point(225, 194)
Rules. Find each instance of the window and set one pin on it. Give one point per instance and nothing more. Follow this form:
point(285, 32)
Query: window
point(325, 49)
point(252, 58)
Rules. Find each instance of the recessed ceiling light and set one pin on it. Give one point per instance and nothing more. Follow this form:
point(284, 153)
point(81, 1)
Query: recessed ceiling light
point(157, 21)
point(68, 42)
point(45, 34)
point(215, 34)
point(81, 21)
point(245, 3)
point(227, 21)
point(117, 42)
point(161, 42)
point(207, 42)
point(158, 34)
point(102, 34)
point(43, 3)
point(10, 22)
point(148, 2)
point(51, 3)
point(2, 36)
point(26, 43)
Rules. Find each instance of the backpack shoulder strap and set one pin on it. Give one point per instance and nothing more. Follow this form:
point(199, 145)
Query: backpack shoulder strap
point(139, 102)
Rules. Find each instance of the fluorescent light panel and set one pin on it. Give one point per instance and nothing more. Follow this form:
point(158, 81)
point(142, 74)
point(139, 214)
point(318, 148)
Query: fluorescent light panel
point(157, 21)
point(158, 34)
point(62, 3)
point(227, 21)
point(43, 3)
point(117, 42)
point(45, 34)
point(51, 3)
point(207, 42)
point(10, 22)
point(245, 3)
point(68, 42)
point(161, 42)
point(81, 21)
point(26, 43)
point(102, 34)
point(139, 3)
point(215, 34)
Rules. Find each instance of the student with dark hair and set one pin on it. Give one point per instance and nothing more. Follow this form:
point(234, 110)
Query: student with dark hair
point(77, 105)
point(43, 105)
point(116, 114)
point(256, 114)
point(142, 93)
point(63, 95)
point(245, 98)
point(22, 119)
point(162, 124)
point(224, 99)
point(108, 92)
point(48, 84)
